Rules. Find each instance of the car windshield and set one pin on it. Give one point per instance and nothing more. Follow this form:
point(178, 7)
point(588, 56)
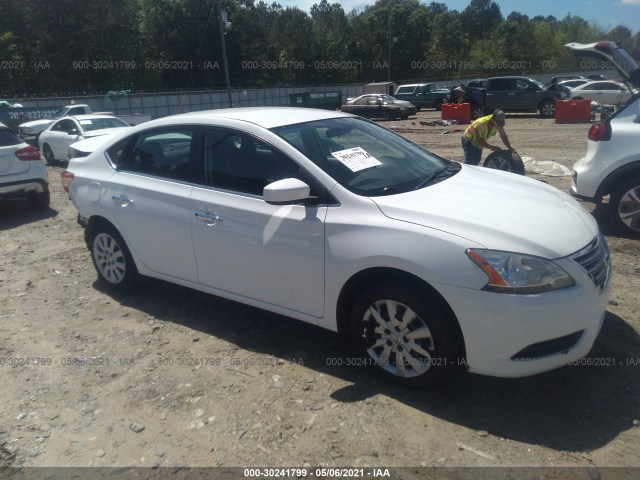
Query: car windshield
point(365, 158)
point(100, 123)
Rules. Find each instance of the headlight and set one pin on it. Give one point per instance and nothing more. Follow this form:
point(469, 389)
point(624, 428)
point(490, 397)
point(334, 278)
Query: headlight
point(515, 273)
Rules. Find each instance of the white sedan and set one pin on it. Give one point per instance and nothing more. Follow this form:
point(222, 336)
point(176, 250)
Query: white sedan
point(430, 265)
point(605, 92)
point(55, 140)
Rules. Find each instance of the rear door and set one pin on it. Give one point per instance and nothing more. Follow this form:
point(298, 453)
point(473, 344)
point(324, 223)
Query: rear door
point(150, 197)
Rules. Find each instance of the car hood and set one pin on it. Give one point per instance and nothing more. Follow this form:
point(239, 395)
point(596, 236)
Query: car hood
point(104, 131)
point(36, 123)
point(497, 210)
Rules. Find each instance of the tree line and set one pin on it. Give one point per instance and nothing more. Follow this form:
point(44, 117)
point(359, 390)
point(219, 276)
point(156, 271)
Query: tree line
point(74, 46)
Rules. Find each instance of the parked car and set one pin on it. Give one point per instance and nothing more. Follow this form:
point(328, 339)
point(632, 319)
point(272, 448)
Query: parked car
point(564, 78)
point(611, 166)
point(605, 92)
point(334, 220)
point(573, 83)
point(55, 140)
point(379, 106)
point(511, 94)
point(422, 95)
point(22, 171)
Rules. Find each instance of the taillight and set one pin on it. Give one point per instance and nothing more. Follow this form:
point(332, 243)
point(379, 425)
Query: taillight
point(606, 47)
point(28, 153)
point(66, 179)
point(600, 132)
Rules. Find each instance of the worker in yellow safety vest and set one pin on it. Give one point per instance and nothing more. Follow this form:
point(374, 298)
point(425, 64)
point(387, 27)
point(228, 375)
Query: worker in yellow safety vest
point(476, 135)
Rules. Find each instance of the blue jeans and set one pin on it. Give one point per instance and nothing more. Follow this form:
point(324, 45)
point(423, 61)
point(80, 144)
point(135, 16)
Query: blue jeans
point(472, 155)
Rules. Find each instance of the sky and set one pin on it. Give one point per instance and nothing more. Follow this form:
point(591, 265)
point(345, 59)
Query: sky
point(606, 13)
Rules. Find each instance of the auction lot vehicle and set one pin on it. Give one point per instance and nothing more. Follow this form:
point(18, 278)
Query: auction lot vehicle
point(511, 94)
point(379, 106)
point(611, 166)
point(422, 95)
point(334, 220)
point(22, 171)
point(33, 128)
point(56, 139)
point(605, 92)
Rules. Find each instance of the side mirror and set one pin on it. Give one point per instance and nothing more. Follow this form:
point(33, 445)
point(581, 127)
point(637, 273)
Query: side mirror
point(73, 131)
point(286, 192)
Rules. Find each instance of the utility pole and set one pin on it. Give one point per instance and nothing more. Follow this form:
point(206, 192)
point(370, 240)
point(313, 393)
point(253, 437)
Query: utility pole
point(224, 26)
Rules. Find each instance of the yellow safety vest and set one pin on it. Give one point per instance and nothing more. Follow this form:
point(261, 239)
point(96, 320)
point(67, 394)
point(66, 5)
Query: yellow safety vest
point(480, 126)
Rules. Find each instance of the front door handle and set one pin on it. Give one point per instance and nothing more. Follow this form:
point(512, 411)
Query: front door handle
point(208, 218)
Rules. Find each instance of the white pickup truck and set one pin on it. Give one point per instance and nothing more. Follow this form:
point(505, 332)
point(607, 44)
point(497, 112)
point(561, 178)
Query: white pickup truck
point(35, 127)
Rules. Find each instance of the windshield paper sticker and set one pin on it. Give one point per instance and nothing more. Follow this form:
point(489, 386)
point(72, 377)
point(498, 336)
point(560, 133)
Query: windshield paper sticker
point(85, 122)
point(356, 159)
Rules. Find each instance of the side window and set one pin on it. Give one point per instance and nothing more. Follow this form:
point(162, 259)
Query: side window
point(501, 84)
point(164, 153)
point(236, 161)
point(63, 126)
point(362, 101)
point(76, 111)
point(521, 85)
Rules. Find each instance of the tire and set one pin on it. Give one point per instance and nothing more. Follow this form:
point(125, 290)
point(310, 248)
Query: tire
point(391, 115)
point(506, 161)
point(39, 201)
point(433, 353)
point(547, 109)
point(111, 258)
point(476, 111)
point(625, 207)
point(48, 154)
point(438, 106)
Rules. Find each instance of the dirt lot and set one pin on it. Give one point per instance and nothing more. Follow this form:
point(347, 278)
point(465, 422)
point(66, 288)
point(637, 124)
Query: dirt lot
point(92, 378)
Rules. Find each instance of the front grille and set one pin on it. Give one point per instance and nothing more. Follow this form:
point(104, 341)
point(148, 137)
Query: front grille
point(548, 347)
point(596, 260)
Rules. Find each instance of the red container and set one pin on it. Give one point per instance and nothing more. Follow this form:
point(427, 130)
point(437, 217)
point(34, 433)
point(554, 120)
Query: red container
point(456, 111)
point(573, 111)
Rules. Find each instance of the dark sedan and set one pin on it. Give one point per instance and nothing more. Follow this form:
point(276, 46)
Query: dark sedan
point(379, 106)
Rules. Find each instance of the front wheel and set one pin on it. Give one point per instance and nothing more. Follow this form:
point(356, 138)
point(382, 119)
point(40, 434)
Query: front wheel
point(405, 335)
point(437, 106)
point(547, 109)
point(111, 258)
point(625, 206)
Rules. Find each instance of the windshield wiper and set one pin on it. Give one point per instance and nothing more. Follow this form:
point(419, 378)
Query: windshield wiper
point(439, 175)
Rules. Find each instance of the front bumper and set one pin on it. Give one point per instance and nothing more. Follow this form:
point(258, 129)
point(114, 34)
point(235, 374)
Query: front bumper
point(510, 335)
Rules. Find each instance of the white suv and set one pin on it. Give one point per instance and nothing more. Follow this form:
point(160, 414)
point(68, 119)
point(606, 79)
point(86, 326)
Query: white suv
point(22, 171)
point(611, 166)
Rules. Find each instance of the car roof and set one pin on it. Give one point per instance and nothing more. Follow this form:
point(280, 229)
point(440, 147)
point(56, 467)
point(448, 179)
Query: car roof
point(266, 117)
point(594, 82)
point(88, 117)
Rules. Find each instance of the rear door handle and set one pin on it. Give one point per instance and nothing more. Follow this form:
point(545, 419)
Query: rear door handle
point(122, 199)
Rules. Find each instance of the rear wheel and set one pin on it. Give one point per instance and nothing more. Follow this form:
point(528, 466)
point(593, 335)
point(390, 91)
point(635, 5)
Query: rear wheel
point(111, 258)
point(404, 334)
point(48, 153)
point(438, 105)
point(625, 207)
point(39, 201)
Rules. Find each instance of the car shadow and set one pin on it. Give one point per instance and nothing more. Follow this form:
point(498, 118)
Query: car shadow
point(17, 212)
point(574, 408)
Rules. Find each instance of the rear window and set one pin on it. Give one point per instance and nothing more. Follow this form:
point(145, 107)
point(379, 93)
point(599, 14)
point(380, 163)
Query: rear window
point(405, 90)
point(8, 138)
